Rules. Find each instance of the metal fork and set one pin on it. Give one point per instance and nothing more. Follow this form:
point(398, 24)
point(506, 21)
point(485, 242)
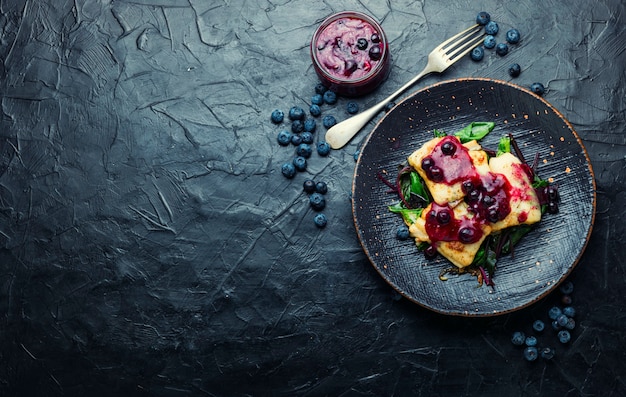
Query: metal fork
point(439, 60)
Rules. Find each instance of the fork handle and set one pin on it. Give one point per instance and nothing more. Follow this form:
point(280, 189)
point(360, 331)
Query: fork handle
point(341, 133)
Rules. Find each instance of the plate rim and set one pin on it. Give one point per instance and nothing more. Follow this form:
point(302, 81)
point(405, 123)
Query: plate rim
point(468, 313)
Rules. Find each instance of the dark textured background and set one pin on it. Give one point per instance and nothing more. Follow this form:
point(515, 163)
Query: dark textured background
point(151, 247)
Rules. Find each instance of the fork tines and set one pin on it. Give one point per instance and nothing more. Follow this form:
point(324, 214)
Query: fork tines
point(463, 42)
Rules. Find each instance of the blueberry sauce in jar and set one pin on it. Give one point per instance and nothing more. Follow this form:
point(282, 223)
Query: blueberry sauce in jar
point(350, 53)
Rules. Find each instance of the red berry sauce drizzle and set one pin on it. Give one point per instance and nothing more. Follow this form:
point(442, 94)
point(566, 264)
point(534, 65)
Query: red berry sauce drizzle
point(487, 196)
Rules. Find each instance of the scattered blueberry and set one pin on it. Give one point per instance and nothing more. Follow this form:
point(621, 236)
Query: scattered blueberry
point(492, 28)
point(304, 150)
point(329, 121)
point(317, 99)
point(513, 36)
point(518, 338)
point(320, 89)
point(571, 324)
point(569, 311)
point(296, 139)
point(315, 110)
point(296, 113)
point(288, 170)
point(515, 69)
point(310, 125)
point(564, 336)
point(308, 186)
point(567, 287)
point(530, 341)
point(537, 88)
point(323, 148)
point(320, 220)
point(483, 18)
point(330, 97)
point(547, 353)
point(284, 138)
point(489, 42)
point(352, 107)
point(539, 325)
point(317, 201)
point(562, 320)
point(402, 233)
point(300, 163)
point(477, 54)
point(531, 353)
point(277, 116)
point(307, 137)
point(321, 187)
point(566, 300)
point(555, 325)
point(554, 312)
point(297, 126)
point(502, 49)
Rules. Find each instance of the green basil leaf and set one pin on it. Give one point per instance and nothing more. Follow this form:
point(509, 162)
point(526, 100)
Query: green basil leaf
point(410, 216)
point(476, 130)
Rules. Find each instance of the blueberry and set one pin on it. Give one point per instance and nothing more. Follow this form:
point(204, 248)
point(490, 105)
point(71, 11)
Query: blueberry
point(352, 107)
point(288, 170)
point(566, 300)
point(330, 97)
point(539, 325)
point(554, 312)
point(296, 113)
point(513, 36)
point(277, 116)
point(297, 126)
point(564, 336)
point(375, 38)
point(317, 99)
point(531, 353)
point(304, 150)
point(308, 186)
point(567, 287)
point(492, 28)
point(537, 88)
point(323, 148)
point(518, 338)
point(477, 54)
point(320, 220)
point(515, 70)
point(569, 311)
point(571, 324)
point(402, 233)
point(307, 137)
point(375, 53)
point(296, 139)
point(315, 110)
point(555, 325)
point(329, 121)
point(310, 125)
point(320, 89)
point(317, 201)
point(284, 138)
point(502, 49)
point(483, 18)
point(300, 163)
point(489, 42)
point(362, 43)
point(530, 341)
point(562, 320)
point(547, 353)
point(321, 187)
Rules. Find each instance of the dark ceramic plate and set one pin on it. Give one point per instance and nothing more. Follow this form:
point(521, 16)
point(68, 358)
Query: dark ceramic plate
point(541, 260)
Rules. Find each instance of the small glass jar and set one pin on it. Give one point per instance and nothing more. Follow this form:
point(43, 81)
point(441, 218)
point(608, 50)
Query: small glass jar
point(350, 53)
